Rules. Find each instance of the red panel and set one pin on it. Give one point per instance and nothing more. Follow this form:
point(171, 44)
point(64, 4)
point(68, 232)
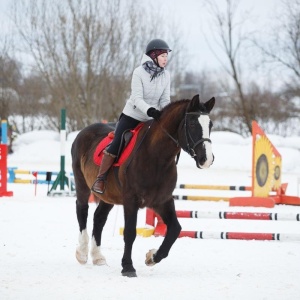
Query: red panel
point(247, 216)
point(249, 236)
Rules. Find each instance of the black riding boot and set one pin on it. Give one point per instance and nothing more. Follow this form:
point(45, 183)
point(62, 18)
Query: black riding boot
point(107, 161)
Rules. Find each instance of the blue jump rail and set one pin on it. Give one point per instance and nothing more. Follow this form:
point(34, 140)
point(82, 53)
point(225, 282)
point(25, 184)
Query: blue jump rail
point(13, 179)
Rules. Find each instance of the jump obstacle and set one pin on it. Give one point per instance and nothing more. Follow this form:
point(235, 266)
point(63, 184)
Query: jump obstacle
point(156, 222)
point(31, 176)
point(266, 189)
point(3, 161)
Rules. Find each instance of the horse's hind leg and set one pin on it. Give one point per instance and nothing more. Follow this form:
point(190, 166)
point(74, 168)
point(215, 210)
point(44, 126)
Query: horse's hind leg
point(82, 193)
point(168, 214)
point(100, 217)
point(83, 239)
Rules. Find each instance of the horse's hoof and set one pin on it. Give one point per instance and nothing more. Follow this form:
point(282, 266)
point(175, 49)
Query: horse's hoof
point(129, 271)
point(82, 258)
point(129, 274)
point(99, 261)
point(150, 257)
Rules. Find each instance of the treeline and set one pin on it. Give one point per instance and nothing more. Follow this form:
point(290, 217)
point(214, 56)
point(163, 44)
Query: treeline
point(83, 53)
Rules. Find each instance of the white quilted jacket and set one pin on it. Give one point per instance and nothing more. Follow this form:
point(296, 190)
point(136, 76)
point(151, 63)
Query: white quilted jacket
point(146, 93)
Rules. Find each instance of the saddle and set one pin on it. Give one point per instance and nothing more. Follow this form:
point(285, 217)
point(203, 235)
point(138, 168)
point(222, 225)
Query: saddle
point(127, 144)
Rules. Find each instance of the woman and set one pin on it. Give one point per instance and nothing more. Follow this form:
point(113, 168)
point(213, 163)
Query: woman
point(150, 92)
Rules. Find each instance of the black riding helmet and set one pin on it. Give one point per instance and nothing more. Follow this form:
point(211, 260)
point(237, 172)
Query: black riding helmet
point(157, 44)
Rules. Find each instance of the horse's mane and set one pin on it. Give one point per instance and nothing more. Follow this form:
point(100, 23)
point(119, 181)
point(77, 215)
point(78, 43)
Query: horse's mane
point(175, 106)
point(179, 103)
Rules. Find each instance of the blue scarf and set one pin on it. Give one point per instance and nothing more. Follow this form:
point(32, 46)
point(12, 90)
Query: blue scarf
point(153, 69)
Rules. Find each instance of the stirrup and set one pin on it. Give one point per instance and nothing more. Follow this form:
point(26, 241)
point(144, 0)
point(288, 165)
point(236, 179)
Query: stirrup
point(98, 191)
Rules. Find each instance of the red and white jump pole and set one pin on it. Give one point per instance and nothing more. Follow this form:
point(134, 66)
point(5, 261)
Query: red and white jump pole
point(160, 227)
point(238, 235)
point(238, 215)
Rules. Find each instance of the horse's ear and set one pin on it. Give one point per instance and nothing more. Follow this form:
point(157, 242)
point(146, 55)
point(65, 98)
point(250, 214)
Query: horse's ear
point(195, 103)
point(196, 98)
point(209, 104)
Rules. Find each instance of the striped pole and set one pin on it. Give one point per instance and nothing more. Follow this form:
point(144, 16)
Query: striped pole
point(240, 236)
point(161, 228)
point(214, 187)
point(238, 215)
point(62, 180)
point(200, 198)
point(62, 147)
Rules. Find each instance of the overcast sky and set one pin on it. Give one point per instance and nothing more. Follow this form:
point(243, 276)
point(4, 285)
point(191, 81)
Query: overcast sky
point(194, 21)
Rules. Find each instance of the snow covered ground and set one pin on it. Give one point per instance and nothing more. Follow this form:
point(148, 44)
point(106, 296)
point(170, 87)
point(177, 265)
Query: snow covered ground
point(38, 236)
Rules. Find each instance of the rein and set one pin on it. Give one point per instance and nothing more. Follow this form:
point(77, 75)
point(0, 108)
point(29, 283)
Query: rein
point(174, 140)
point(190, 148)
point(138, 146)
point(169, 135)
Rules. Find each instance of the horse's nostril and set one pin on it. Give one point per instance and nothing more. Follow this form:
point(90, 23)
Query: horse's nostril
point(202, 160)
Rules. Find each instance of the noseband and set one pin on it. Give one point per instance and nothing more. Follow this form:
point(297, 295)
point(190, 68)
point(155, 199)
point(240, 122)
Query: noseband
point(191, 146)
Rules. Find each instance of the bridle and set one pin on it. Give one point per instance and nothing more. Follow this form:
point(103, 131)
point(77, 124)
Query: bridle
point(191, 146)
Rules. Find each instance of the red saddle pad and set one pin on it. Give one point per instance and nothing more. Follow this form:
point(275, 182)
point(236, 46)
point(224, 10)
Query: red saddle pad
point(98, 154)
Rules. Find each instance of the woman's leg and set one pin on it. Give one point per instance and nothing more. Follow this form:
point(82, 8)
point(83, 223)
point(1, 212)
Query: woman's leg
point(124, 124)
point(111, 152)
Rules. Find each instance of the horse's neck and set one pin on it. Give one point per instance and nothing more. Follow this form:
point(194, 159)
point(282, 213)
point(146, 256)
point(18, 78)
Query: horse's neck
point(165, 135)
point(172, 120)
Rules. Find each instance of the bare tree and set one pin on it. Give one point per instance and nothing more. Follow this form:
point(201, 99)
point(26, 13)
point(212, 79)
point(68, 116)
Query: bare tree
point(283, 47)
point(282, 50)
point(10, 77)
point(86, 50)
point(230, 35)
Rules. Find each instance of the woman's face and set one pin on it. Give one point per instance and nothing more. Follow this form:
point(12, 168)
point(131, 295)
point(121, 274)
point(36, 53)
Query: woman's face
point(162, 60)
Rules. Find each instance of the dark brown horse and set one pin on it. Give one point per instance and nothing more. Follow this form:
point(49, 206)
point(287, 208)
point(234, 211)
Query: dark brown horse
point(146, 179)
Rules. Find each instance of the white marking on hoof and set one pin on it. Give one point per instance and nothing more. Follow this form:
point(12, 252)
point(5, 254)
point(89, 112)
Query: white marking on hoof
point(83, 248)
point(97, 257)
point(150, 257)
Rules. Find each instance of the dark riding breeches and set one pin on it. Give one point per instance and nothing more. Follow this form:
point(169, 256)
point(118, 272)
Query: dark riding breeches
point(124, 123)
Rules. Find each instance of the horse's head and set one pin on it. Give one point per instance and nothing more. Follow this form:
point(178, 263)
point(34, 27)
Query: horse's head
point(194, 132)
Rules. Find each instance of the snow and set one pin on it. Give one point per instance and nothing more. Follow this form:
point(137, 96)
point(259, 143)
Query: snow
point(39, 235)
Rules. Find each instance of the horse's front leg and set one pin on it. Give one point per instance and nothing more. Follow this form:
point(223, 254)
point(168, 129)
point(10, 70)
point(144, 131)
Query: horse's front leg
point(168, 214)
point(130, 219)
point(100, 217)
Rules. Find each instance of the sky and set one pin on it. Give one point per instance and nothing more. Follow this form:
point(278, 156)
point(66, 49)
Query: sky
point(195, 24)
point(39, 235)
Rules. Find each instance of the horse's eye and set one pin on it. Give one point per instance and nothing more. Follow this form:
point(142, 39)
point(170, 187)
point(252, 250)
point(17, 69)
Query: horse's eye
point(192, 123)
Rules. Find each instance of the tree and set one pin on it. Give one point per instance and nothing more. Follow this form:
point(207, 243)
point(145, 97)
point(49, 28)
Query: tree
point(10, 77)
point(85, 51)
point(283, 47)
point(230, 36)
point(281, 53)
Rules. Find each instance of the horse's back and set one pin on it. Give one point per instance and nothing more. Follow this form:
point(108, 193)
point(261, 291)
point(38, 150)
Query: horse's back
point(89, 137)
point(85, 144)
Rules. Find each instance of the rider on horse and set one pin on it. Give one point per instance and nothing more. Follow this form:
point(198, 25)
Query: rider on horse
point(150, 92)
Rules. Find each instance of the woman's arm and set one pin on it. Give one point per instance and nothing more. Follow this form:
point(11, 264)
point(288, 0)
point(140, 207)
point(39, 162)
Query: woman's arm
point(137, 93)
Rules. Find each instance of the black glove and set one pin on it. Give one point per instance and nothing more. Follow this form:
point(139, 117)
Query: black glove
point(153, 113)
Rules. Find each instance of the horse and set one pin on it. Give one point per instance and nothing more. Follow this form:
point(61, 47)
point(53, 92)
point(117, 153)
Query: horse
point(147, 178)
